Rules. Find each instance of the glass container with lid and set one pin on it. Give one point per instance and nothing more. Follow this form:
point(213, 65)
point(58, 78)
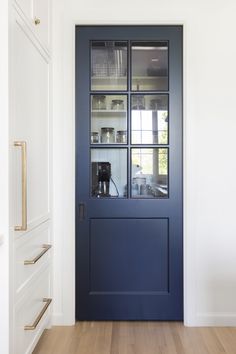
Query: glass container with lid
point(94, 138)
point(107, 135)
point(121, 136)
point(138, 102)
point(99, 102)
point(117, 104)
point(156, 104)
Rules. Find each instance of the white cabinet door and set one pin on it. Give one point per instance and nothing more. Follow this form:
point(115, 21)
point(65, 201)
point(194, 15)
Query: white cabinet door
point(41, 18)
point(30, 123)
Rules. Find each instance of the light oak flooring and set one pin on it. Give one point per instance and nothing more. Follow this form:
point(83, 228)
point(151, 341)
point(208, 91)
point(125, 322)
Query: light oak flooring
point(136, 338)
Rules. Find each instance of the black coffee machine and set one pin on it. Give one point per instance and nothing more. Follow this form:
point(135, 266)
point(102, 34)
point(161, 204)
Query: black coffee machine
point(101, 175)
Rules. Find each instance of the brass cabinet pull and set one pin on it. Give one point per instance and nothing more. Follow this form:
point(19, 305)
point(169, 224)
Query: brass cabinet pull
point(23, 146)
point(37, 21)
point(35, 260)
point(36, 322)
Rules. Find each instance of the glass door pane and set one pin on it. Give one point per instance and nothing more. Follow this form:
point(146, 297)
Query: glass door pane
point(149, 66)
point(149, 173)
point(149, 119)
point(108, 119)
point(108, 66)
point(109, 173)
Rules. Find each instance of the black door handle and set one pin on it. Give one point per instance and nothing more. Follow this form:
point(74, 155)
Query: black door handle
point(81, 211)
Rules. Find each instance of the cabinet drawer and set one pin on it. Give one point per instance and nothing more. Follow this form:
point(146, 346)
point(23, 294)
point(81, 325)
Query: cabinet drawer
point(32, 310)
point(32, 252)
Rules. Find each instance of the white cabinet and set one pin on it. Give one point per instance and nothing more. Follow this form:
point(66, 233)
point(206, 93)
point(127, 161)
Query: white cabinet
point(37, 16)
point(29, 180)
point(30, 122)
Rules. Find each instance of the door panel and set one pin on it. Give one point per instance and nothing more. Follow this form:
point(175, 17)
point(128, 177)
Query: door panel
point(129, 173)
point(127, 254)
point(31, 124)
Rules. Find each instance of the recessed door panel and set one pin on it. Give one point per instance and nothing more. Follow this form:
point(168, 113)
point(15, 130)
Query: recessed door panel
point(31, 125)
point(129, 256)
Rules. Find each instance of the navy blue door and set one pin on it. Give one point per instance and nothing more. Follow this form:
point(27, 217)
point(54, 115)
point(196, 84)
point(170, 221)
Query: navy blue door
point(129, 263)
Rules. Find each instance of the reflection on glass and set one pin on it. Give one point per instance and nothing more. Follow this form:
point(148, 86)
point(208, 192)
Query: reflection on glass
point(109, 173)
point(149, 173)
point(149, 66)
point(109, 65)
point(108, 119)
point(149, 118)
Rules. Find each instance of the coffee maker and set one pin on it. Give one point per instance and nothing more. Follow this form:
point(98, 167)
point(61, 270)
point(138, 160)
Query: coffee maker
point(101, 175)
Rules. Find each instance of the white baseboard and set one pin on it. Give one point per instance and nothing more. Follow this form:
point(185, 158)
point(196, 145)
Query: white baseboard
point(200, 320)
point(215, 320)
point(58, 319)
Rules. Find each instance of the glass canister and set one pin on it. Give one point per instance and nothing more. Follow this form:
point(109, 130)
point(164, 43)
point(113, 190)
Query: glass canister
point(99, 102)
point(121, 136)
point(117, 105)
point(107, 135)
point(138, 102)
point(94, 138)
point(156, 104)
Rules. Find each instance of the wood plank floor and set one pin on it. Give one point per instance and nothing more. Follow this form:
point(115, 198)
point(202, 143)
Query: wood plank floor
point(136, 338)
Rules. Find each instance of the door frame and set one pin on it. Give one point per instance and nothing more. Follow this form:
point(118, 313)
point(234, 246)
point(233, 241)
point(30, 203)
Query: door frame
point(64, 313)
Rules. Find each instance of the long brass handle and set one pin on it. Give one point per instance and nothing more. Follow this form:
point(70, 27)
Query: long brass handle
point(35, 260)
point(23, 146)
point(42, 312)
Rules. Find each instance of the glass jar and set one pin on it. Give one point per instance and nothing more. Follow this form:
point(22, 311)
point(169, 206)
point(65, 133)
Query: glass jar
point(117, 105)
point(156, 104)
point(121, 136)
point(99, 102)
point(94, 138)
point(138, 102)
point(139, 183)
point(107, 135)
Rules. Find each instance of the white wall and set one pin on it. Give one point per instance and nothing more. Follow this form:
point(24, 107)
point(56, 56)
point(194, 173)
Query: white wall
point(209, 146)
point(4, 233)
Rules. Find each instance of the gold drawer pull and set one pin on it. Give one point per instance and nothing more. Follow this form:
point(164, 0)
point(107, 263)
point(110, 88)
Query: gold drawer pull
point(22, 144)
point(36, 322)
point(35, 260)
